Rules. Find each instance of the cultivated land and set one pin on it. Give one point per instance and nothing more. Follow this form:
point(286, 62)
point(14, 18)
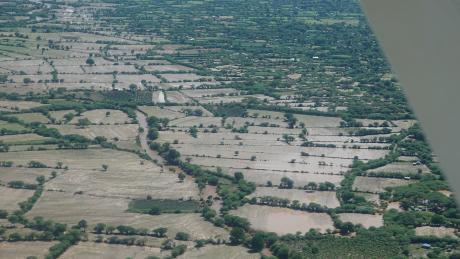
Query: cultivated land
point(145, 127)
point(284, 221)
point(93, 251)
point(20, 250)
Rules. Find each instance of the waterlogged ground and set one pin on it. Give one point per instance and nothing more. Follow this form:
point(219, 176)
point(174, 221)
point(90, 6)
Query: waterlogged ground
point(284, 221)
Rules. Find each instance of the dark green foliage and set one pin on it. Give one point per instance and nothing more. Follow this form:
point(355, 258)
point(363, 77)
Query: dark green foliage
point(178, 250)
point(257, 242)
point(237, 236)
point(372, 243)
point(67, 240)
point(164, 206)
point(182, 236)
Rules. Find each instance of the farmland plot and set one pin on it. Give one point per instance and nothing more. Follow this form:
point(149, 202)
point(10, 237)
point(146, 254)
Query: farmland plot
point(284, 221)
point(19, 105)
point(69, 209)
point(183, 77)
point(436, 231)
point(59, 115)
point(167, 68)
point(123, 135)
point(31, 117)
point(27, 175)
point(9, 197)
point(161, 112)
point(23, 138)
point(21, 250)
point(377, 185)
point(91, 250)
point(177, 97)
point(367, 220)
point(219, 251)
point(261, 177)
point(126, 175)
point(402, 167)
point(324, 198)
point(104, 116)
point(196, 93)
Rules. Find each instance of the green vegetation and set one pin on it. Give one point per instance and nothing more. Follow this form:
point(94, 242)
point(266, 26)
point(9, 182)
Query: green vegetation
point(164, 206)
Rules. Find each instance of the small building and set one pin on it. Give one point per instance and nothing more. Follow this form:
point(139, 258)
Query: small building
point(426, 246)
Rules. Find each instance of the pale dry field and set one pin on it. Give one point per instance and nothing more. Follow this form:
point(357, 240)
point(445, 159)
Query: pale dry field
point(32, 117)
point(27, 175)
point(160, 112)
point(195, 93)
point(182, 77)
point(324, 198)
point(195, 121)
point(126, 80)
point(21, 250)
point(309, 120)
point(402, 167)
point(183, 108)
point(177, 97)
point(82, 159)
point(99, 117)
point(21, 105)
point(59, 115)
point(122, 132)
point(300, 180)
point(219, 251)
point(89, 250)
point(9, 197)
point(436, 231)
point(367, 220)
point(68, 208)
point(167, 68)
point(22, 138)
point(108, 69)
point(283, 221)
point(127, 176)
point(395, 205)
point(376, 185)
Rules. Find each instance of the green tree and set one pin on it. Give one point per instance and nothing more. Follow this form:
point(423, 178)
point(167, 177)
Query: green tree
point(90, 61)
point(160, 232)
point(155, 211)
point(181, 176)
point(257, 242)
point(99, 228)
point(182, 236)
point(237, 236)
point(82, 224)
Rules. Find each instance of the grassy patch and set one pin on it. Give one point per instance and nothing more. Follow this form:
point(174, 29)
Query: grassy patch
point(165, 206)
point(368, 244)
point(11, 126)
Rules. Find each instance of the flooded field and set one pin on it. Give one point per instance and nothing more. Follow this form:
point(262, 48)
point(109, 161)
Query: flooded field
point(284, 221)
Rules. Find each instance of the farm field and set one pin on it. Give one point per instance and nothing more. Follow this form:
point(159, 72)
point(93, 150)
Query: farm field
point(436, 231)
point(10, 197)
point(203, 129)
point(106, 251)
point(366, 220)
point(376, 185)
point(211, 252)
point(324, 198)
point(113, 211)
point(284, 221)
point(20, 250)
